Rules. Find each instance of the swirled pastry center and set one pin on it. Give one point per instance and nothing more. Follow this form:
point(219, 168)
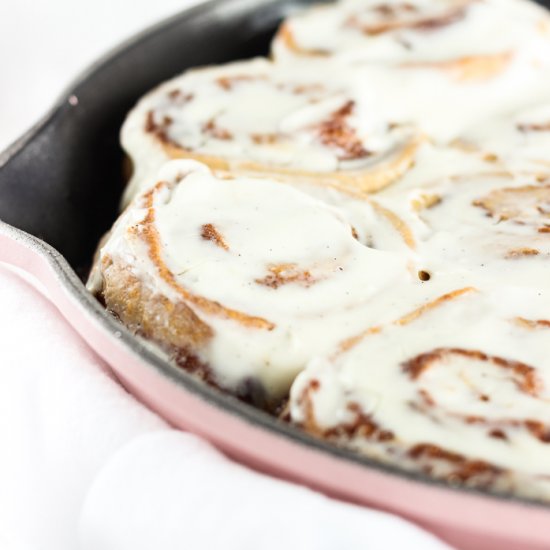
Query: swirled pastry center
point(265, 268)
point(417, 30)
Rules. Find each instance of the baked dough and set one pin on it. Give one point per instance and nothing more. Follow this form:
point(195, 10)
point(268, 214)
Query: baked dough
point(241, 280)
point(256, 118)
point(356, 234)
point(457, 389)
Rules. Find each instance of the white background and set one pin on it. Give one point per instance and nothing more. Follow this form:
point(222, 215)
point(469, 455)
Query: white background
point(45, 44)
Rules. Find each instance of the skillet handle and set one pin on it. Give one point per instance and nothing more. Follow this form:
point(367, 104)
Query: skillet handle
point(29, 255)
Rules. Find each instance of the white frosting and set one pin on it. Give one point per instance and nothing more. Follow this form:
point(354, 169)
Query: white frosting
point(326, 275)
point(491, 228)
point(472, 229)
point(520, 139)
point(444, 108)
point(256, 112)
point(264, 225)
point(474, 406)
point(257, 115)
point(418, 30)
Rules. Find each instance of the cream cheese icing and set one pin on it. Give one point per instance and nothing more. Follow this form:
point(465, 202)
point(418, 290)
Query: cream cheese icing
point(411, 325)
point(458, 389)
point(355, 130)
point(278, 275)
point(255, 116)
point(418, 31)
point(491, 227)
point(518, 140)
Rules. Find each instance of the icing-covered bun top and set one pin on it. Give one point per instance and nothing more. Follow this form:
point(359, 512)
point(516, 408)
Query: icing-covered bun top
point(255, 117)
point(276, 275)
point(477, 35)
point(363, 220)
point(442, 65)
point(458, 388)
point(517, 140)
point(355, 118)
point(490, 227)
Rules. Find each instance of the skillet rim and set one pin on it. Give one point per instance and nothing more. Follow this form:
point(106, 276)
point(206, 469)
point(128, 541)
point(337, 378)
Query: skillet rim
point(146, 353)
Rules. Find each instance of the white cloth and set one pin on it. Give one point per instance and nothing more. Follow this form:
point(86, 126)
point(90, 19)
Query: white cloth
point(82, 464)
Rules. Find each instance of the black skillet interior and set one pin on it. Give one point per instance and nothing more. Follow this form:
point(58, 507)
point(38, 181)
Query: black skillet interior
point(64, 185)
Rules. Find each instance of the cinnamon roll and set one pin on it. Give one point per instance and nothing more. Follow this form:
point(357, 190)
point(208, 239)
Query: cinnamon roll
point(256, 118)
point(358, 228)
point(492, 228)
point(420, 32)
point(517, 141)
point(239, 280)
point(458, 389)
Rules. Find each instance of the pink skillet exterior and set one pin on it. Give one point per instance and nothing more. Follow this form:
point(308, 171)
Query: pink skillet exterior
point(464, 520)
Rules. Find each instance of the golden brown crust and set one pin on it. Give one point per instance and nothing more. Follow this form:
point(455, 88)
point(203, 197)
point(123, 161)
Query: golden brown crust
point(521, 205)
point(524, 252)
point(398, 224)
point(533, 323)
point(151, 314)
point(158, 308)
point(286, 36)
point(173, 326)
point(415, 314)
point(426, 201)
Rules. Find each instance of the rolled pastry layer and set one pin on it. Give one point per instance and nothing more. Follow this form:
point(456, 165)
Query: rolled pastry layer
point(240, 280)
point(473, 38)
point(256, 118)
point(458, 389)
point(517, 141)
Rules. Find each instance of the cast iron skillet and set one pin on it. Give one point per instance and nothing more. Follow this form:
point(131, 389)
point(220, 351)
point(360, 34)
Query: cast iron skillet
point(60, 186)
